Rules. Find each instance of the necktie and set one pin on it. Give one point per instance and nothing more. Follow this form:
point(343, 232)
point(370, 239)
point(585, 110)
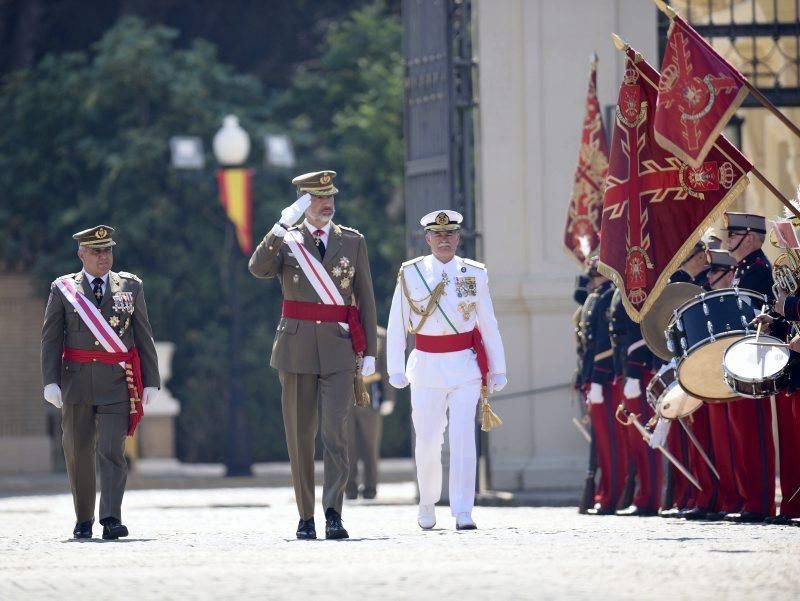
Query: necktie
point(98, 289)
point(320, 244)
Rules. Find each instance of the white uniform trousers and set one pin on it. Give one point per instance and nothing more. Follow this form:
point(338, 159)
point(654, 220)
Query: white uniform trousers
point(429, 408)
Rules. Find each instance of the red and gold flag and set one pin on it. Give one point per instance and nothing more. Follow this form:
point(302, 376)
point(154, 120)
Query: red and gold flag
point(236, 196)
point(655, 206)
point(582, 234)
point(698, 92)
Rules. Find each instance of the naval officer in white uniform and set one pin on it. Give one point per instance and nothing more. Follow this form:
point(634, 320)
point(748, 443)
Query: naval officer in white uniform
point(444, 301)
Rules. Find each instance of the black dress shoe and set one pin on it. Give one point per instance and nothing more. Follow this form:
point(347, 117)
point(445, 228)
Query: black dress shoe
point(695, 513)
point(83, 529)
point(369, 493)
point(600, 510)
point(113, 529)
point(745, 517)
point(779, 520)
point(635, 511)
point(306, 530)
point(333, 525)
point(351, 494)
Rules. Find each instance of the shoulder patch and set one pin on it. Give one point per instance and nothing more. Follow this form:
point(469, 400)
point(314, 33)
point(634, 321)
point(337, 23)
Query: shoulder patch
point(412, 261)
point(130, 276)
point(474, 263)
point(351, 229)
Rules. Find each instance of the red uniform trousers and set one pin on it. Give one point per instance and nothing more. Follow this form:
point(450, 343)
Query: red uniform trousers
point(728, 498)
point(698, 423)
point(753, 453)
point(678, 444)
point(646, 461)
point(610, 452)
point(617, 387)
point(788, 409)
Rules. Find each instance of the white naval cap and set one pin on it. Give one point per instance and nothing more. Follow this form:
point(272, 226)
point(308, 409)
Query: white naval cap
point(442, 220)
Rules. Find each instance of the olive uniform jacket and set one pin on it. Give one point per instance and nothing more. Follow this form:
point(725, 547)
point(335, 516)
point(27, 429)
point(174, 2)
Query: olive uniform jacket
point(96, 383)
point(308, 347)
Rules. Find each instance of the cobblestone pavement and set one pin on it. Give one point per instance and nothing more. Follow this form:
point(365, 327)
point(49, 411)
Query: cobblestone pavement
point(239, 544)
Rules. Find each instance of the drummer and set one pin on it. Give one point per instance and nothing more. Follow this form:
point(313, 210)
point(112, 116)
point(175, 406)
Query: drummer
point(751, 419)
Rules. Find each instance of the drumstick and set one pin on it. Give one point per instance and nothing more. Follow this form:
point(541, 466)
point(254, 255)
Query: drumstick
point(758, 330)
point(776, 344)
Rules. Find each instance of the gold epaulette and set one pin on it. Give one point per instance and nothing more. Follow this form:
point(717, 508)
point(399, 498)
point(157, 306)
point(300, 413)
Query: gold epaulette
point(474, 263)
point(351, 229)
point(130, 276)
point(412, 261)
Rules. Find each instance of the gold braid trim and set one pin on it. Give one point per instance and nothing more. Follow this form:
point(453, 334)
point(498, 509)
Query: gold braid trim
point(429, 309)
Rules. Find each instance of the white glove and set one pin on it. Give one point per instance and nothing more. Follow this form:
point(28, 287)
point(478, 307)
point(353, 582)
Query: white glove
point(292, 214)
point(386, 408)
point(659, 436)
point(52, 394)
point(149, 394)
point(278, 230)
point(595, 396)
point(368, 366)
point(633, 389)
point(497, 382)
point(398, 380)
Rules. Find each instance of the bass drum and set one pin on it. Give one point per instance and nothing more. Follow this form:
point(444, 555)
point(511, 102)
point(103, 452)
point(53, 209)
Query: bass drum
point(756, 370)
point(701, 331)
point(666, 396)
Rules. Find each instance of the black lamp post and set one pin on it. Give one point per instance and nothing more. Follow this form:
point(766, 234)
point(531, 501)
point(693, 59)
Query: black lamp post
point(231, 148)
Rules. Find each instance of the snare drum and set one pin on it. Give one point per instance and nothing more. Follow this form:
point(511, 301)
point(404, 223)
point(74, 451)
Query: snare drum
point(701, 331)
point(756, 371)
point(666, 396)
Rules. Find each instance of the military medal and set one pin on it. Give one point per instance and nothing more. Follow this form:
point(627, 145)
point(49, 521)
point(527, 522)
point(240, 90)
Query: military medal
point(114, 321)
point(466, 309)
point(296, 278)
point(466, 286)
point(123, 302)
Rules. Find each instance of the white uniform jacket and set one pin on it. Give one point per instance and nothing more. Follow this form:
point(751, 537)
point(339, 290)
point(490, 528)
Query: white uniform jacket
point(467, 304)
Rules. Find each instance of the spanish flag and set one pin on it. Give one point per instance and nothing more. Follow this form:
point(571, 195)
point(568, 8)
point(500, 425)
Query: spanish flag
point(236, 196)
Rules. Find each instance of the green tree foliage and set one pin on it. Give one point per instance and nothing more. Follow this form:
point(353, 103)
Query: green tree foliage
point(84, 139)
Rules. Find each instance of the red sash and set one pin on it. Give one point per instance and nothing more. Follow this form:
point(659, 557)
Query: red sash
point(329, 313)
point(456, 342)
point(134, 377)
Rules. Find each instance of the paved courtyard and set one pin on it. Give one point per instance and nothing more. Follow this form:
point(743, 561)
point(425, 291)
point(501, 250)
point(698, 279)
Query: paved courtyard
point(239, 544)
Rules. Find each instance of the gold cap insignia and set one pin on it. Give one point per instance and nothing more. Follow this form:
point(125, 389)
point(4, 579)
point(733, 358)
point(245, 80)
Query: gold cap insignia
point(101, 233)
point(442, 219)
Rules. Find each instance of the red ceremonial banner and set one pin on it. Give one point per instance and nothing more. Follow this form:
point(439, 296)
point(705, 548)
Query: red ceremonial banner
point(655, 206)
point(698, 92)
point(582, 234)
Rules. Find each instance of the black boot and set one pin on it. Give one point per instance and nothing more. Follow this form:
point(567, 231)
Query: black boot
point(83, 529)
point(333, 525)
point(306, 529)
point(113, 529)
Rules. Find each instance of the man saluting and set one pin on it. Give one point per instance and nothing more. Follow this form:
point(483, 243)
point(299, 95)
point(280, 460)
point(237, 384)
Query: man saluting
point(444, 300)
point(328, 325)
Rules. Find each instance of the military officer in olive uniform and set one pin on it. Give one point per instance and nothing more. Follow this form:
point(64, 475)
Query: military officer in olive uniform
point(93, 393)
point(328, 322)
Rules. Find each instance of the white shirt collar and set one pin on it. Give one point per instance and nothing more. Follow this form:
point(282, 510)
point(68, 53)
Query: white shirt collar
point(439, 267)
point(311, 229)
point(89, 277)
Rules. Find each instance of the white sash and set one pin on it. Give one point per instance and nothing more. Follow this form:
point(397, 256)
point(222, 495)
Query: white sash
point(315, 272)
point(92, 317)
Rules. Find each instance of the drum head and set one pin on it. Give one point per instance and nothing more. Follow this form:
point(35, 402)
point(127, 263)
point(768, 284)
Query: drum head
point(676, 402)
point(750, 362)
point(700, 374)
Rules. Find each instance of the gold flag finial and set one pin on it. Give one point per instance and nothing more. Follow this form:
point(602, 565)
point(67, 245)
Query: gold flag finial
point(619, 42)
point(666, 9)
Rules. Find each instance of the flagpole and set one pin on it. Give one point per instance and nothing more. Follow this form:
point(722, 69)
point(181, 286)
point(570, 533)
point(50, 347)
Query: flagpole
point(671, 13)
point(760, 176)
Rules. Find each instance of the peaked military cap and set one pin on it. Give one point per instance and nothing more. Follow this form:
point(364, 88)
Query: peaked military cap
point(721, 260)
point(316, 183)
point(442, 221)
point(99, 236)
point(711, 240)
point(745, 222)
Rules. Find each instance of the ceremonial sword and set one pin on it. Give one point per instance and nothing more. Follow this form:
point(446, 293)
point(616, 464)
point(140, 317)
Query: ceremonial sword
point(631, 419)
point(582, 429)
point(699, 447)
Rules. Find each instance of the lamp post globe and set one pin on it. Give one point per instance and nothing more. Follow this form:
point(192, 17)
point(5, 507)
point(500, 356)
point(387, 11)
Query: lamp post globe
point(231, 143)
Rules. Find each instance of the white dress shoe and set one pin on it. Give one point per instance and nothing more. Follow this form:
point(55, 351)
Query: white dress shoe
point(464, 522)
point(426, 516)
